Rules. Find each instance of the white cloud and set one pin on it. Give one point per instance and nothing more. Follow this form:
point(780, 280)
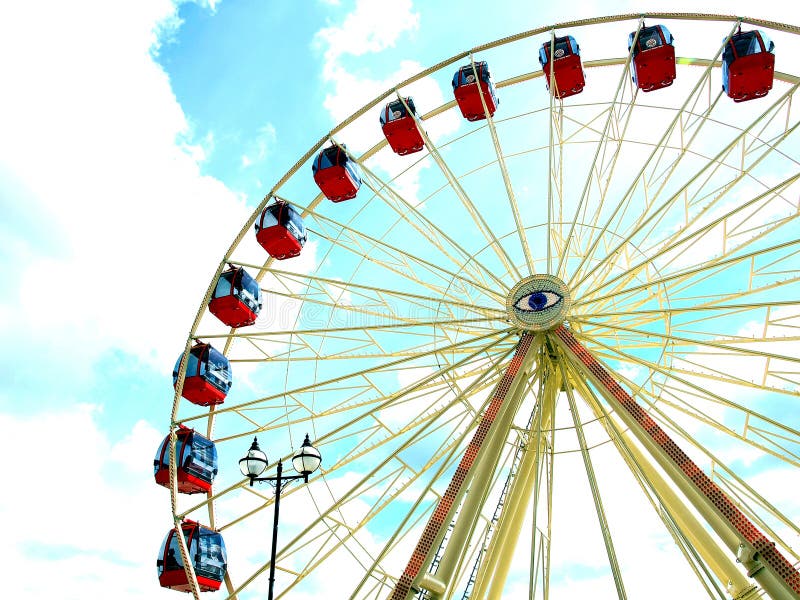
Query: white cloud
point(112, 238)
point(261, 146)
point(200, 151)
point(98, 144)
point(371, 27)
point(82, 508)
point(140, 442)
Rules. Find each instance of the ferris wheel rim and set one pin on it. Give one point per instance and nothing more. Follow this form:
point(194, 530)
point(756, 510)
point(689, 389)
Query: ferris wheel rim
point(267, 267)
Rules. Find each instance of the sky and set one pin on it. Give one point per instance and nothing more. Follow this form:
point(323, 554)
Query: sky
point(135, 140)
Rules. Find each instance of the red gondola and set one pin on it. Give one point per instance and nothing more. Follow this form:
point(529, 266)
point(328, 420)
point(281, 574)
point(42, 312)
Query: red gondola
point(466, 91)
point(280, 230)
point(236, 300)
point(565, 69)
point(206, 550)
point(208, 375)
point(336, 174)
point(400, 127)
point(653, 58)
point(196, 457)
point(748, 65)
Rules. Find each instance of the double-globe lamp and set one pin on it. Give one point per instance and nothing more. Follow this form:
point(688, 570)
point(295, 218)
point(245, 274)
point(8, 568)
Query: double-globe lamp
point(254, 463)
point(305, 462)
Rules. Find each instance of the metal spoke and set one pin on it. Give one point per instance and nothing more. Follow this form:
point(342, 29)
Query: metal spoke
point(651, 217)
point(501, 161)
point(392, 198)
point(604, 139)
point(470, 207)
point(697, 546)
point(694, 235)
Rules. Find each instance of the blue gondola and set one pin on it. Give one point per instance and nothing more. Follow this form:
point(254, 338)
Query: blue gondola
point(236, 300)
point(207, 551)
point(208, 375)
point(748, 65)
point(196, 457)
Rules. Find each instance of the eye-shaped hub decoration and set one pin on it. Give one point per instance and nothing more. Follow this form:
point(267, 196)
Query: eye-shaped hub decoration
point(539, 302)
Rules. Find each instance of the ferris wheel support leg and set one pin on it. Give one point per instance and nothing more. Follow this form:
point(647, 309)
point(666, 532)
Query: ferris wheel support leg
point(481, 479)
point(773, 572)
point(501, 549)
point(415, 573)
point(719, 562)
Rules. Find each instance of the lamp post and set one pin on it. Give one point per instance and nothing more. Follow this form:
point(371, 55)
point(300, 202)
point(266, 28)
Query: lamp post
point(254, 463)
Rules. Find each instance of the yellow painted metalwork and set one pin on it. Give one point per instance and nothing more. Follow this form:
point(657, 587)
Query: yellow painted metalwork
point(732, 579)
point(648, 217)
point(434, 232)
point(772, 584)
point(495, 566)
point(582, 204)
point(553, 169)
point(577, 280)
point(506, 178)
point(480, 475)
point(695, 233)
point(469, 205)
point(624, 311)
point(340, 501)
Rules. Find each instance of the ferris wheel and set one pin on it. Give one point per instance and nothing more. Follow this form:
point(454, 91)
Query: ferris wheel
point(542, 334)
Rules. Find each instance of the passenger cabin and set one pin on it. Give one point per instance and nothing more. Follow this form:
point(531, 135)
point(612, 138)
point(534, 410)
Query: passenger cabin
point(565, 68)
point(336, 174)
point(653, 58)
point(196, 458)
point(748, 65)
point(400, 127)
point(236, 300)
point(280, 230)
point(465, 89)
point(206, 551)
point(208, 375)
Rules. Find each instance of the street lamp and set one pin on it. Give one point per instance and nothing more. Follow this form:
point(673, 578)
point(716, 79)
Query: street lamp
point(254, 463)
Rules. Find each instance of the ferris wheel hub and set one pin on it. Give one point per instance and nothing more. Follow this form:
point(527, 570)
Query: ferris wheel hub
point(538, 303)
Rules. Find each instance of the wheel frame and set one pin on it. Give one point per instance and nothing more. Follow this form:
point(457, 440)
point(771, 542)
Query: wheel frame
point(312, 206)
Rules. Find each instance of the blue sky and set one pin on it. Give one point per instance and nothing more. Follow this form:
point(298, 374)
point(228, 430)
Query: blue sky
point(135, 139)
